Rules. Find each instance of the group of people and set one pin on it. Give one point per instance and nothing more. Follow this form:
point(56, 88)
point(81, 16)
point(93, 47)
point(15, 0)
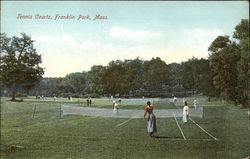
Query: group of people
point(70, 98)
point(39, 97)
point(115, 104)
point(150, 117)
point(89, 101)
point(184, 100)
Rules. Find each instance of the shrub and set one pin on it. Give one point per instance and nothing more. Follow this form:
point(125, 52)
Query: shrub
point(21, 95)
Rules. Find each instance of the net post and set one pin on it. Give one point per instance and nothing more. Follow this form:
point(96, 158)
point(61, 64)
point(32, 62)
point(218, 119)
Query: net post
point(202, 113)
point(60, 110)
point(34, 111)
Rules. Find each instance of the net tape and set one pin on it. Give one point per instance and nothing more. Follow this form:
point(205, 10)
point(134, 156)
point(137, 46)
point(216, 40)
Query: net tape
point(126, 113)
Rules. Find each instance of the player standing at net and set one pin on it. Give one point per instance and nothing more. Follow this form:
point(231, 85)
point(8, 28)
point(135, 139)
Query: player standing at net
point(113, 104)
point(195, 103)
point(115, 109)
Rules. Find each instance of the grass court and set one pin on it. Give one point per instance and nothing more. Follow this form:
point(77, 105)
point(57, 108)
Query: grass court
point(36, 129)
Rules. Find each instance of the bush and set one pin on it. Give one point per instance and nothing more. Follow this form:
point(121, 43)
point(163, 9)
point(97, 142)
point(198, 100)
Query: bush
point(73, 95)
point(92, 95)
point(21, 95)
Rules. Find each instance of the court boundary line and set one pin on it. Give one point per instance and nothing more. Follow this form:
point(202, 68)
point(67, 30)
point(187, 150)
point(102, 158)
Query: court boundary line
point(127, 119)
point(203, 129)
point(179, 127)
point(102, 137)
point(124, 122)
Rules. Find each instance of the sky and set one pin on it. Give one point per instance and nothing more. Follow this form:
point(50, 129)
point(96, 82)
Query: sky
point(174, 31)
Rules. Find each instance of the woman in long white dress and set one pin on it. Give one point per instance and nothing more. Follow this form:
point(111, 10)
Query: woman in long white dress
point(151, 119)
point(185, 112)
point(115, 110)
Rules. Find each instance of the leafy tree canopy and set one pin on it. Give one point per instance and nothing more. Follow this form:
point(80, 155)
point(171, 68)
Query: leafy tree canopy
point(19, 63)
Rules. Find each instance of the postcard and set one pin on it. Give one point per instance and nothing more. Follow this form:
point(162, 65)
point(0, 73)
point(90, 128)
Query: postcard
point(124, 79)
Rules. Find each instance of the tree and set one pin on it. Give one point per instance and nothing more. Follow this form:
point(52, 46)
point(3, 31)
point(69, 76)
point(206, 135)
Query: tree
point(156, 73)
point(223, 64)
point(47, 87)
point(75, 83)
point(95, 76)
point(205, 78)
point(242, 30)
point(175, 74)
point(116, 78)
point(135, 70)
point(19, 64)
point(241, 33)
point(196, 74)
point(189, 74)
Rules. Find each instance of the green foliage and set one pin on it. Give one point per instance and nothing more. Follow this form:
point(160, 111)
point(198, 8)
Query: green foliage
point(21, 95)
point(92, 95)
point(242, 34)
point(19, 63)
point(135, 71)
point(242, 69)
point(197, 75)
point(133, 77)
point(189, 76)
point(242, 30)
point(219, 43)
point(128, 76)
point(175, 74)
point(229, 63)
point(116, 78)
point(223, 64)
point(95, 82)
point(156, 73)
point(48, 87)
point(75, 83)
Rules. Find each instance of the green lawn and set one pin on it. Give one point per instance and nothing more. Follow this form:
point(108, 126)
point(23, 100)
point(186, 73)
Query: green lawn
point(47, 135)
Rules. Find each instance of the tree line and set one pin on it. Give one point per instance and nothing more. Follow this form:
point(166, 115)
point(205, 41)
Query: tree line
point(229, 60)
point(118, 78)
point(223, 74)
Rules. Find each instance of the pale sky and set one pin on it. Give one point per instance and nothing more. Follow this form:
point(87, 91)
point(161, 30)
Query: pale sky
point(174, 31)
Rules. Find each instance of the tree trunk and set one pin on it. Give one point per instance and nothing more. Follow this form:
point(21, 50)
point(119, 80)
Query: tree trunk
point(13, 95)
